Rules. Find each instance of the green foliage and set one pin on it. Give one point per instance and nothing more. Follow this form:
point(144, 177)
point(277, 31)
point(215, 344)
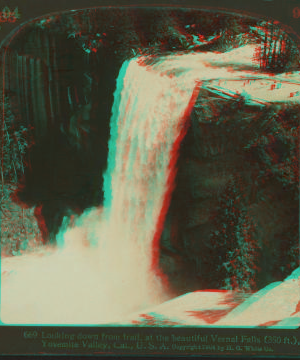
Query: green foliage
point(18, 226)
point(241, 260)
point(279, 53)
point(291, 250)
point(235, 240)
point(278, 146)
point(14, 145)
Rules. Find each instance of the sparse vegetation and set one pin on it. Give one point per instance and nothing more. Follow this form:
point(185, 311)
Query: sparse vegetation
point(19, 228)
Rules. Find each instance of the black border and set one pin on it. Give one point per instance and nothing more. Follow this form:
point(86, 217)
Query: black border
point(12, 341)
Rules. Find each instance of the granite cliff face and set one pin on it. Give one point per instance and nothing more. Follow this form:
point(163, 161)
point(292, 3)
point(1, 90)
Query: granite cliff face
point(230, 193)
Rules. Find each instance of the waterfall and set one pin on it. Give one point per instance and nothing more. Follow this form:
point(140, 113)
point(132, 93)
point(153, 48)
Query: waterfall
point(106, 264)
point(149, 117)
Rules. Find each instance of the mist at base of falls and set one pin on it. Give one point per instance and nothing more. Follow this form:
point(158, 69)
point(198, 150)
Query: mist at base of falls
point(76, 284)
point(102, 268)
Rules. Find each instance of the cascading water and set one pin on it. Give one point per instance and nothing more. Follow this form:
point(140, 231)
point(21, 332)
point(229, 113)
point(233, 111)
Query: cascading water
point(148, 116)
point(114, 275)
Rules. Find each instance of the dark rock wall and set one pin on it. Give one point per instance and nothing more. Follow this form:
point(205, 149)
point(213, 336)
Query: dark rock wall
point(235, 218)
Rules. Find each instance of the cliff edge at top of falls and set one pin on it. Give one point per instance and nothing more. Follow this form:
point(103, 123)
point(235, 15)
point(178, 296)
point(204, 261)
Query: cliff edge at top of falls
point(237, 64)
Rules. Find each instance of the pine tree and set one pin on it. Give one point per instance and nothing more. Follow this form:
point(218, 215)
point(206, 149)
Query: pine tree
point(235, 245)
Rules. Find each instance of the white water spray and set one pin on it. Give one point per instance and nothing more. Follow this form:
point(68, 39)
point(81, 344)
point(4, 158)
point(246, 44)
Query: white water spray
point(112, 276)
